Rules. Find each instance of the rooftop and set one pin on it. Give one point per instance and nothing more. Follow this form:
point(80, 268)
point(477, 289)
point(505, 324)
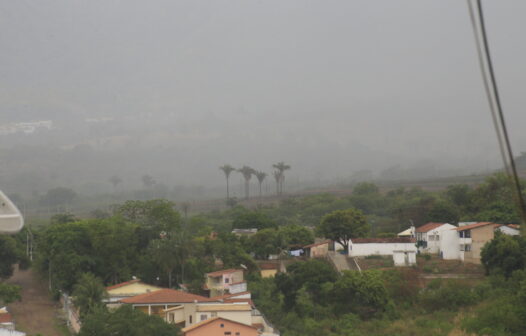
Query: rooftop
point(428, 227)
point(122, 284)
point(214, 319)
point(6, 318)
point(475, 225)
point(224, 307)
point(219, 273)
point(166, 296)
point(317, 244)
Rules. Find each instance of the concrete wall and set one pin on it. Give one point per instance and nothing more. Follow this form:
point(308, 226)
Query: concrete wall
point(403, 258)
point(319, 251)
point(479, 237)
point(449, 245)
point(360, 250)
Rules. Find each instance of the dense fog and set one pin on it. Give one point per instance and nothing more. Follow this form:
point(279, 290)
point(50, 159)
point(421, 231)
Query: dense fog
point(339, 90)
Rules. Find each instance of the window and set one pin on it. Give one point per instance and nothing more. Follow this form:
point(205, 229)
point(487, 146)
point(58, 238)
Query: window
point(222, 325)
point(431, 238)
point(467, 234)
point(190, 319)
point(238, 333)
point(467, 247)
point(461, 247)
point(227, 280)
point(203, 317)
point(228, 333)
point(437, 237)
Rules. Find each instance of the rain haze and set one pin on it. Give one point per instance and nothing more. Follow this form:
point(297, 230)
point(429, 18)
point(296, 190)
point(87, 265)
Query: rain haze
point(174, 89)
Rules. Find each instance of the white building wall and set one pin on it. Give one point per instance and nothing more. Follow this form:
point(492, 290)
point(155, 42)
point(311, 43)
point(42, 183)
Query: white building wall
point(360, 250)
point(450, 245)
point(434, 237)
point(404, 258)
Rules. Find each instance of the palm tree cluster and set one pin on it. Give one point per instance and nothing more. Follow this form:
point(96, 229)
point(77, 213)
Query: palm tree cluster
point(248, 172)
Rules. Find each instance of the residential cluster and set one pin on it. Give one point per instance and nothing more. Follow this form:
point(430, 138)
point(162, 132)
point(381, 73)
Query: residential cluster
point(227, 310)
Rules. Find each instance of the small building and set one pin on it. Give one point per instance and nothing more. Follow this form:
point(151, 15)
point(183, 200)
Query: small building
point(268, 270)
point(225, 281)
point(245, 232)
point(317, 250)
point(157, 302)
point(428, 236)
point(510, 229)
point(408, 233)
point(472, 238)
point(403, 250)
point(6, 319)
point(128, 289)
point(219, 326)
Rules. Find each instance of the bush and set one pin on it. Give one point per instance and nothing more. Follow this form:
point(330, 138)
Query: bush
point(447, 295)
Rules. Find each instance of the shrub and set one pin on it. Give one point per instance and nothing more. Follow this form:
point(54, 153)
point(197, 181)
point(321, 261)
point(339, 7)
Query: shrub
point(447, 295)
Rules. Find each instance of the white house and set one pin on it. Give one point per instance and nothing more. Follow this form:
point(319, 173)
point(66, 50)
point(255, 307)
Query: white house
point(403, 250)
point(428, 236)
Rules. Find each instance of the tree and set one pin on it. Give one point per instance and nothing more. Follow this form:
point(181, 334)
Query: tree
point(126, 321)
point(266, 242)
point(253, 220)
point(58, 196)
point(148, 181)
point(504, 254)
point(115, 181)
point(261, 177)
point(342, 225)
point(88, 294)
point(227, 170)
point(247, 173)
point(281, 168)
point(296, 236)
point(8, 256)
point(164, 253)
point(9, 293)
point(277, 178)
point(361, 293)
point(365, 188)
point(443, 212)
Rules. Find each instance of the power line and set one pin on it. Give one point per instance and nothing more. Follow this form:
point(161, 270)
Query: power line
point(486, 64)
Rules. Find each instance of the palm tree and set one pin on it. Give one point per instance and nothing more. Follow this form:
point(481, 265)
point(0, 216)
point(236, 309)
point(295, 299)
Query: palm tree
point(281, 167)
point(261, 177)
point(277, 177)
point(115, 181)
point(247, 175)
point(227, 169)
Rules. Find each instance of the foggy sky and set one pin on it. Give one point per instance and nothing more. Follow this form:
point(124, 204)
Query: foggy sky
point(330, 87)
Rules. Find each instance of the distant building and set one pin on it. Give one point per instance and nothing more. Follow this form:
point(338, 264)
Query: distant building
point(128, 289)
point(219, 326)
point(6, 320)
point(225, 281)
point(244, 232)
point(317, 249)
point(408, 233)
point(403, 250)
point(428, 236)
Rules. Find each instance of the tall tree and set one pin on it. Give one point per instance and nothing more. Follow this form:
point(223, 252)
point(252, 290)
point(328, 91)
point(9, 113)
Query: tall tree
point(342, 225)
point(115, 181)
point(261, 177)
point(277, 177)
point(247, 173)
point(227, 169)
point(281, 168)
point(88, 294)
point(148, 181)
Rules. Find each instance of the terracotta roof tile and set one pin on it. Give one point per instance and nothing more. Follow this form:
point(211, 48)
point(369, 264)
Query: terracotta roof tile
point(475, 225)
point(428, 227)
point(383, 240)
point(213, 319)
point(226, 296)
point(317, 244)
point(6, 318)
point(166, 296)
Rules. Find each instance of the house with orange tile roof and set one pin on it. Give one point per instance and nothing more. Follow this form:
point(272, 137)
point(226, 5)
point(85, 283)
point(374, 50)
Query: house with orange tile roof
point(6, 319)
point(472, 237)
point(317, 250)
point(128, 289)
point(157, 302)
point(225, 281)
point(428, 236)
point(219, 326)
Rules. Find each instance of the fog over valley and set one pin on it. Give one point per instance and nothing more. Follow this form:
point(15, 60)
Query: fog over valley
point(339, 90)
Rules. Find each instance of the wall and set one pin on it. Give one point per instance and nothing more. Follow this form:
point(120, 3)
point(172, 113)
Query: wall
point(268, 273)
point(214, 328)
point(402, 258)
point(449, 245)
point(358, 250)
point(479, 237)
point(319, 251)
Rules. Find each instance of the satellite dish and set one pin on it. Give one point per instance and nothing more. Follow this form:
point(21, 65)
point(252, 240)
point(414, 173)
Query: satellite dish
point(11, 220)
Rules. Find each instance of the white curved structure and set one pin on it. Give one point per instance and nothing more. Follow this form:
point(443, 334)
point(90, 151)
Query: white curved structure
point(11, 220)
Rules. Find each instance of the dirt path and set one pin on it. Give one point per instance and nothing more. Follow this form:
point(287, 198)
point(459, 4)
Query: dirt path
point(36, 313)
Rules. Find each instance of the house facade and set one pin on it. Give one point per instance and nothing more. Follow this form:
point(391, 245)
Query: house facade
point(225, 281)
point(128, 289)
point(472, 238)
point(403, 250)
point(317, 250)
point(219, 326)
point(428, 236)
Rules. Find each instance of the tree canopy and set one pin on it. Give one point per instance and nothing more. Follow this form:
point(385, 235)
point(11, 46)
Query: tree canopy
point(342, 225)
